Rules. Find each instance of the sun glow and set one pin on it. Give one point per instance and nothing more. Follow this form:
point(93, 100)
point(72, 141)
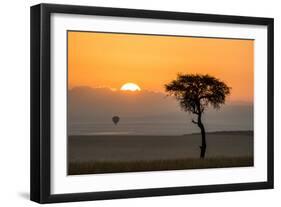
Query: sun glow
point(130, 87)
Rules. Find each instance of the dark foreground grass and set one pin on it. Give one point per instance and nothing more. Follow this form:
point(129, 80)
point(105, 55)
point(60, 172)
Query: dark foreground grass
point(78, 168)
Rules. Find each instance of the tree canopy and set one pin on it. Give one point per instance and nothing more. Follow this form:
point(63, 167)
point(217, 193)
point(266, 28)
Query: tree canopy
point(196, 92)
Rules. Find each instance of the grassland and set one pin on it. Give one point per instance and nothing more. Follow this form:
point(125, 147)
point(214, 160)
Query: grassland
point(78, 168)
point(116, 153)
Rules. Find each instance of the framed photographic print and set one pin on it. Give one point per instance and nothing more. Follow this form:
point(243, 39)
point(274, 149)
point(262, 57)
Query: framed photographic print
point(133, 103)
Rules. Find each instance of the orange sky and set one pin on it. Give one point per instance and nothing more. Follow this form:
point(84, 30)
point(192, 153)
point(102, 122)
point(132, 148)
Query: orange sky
point(110, 60)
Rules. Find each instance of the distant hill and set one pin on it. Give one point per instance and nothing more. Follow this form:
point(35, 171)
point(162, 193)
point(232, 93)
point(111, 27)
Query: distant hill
point(87, 104)
point(246, 132)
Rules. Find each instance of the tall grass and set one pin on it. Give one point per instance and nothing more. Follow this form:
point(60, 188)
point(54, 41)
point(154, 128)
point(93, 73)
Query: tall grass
point(78, 168)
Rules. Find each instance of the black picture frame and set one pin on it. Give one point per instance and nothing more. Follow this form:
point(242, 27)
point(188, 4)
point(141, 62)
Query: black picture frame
point(41, 95)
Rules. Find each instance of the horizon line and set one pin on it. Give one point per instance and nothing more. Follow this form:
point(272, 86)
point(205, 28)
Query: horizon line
point(145, 90)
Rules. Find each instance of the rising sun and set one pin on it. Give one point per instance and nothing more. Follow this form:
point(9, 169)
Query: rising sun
point(130, 87)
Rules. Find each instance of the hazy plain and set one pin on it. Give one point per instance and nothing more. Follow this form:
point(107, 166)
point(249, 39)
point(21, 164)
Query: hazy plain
point(132, 148)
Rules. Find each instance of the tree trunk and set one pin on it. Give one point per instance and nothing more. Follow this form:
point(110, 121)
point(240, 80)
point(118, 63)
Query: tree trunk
point(203, 134)
point(203, 145)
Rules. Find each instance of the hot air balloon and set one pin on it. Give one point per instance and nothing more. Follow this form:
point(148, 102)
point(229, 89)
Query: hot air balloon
point(115, 119)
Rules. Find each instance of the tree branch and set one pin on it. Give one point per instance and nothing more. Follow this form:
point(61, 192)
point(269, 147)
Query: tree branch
point(194, 122)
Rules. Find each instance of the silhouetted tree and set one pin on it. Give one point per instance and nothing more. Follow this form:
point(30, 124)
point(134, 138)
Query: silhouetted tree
point(195, 93)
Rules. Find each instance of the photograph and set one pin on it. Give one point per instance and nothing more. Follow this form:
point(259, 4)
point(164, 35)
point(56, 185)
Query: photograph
point(152, 102)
